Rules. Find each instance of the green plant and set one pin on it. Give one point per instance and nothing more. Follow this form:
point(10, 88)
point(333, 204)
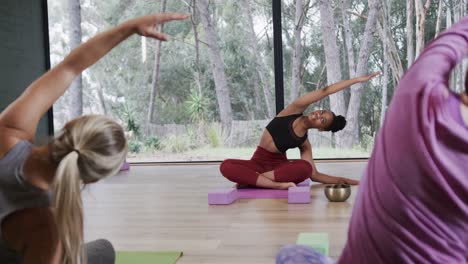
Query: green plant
point(194, 138)
point(214, 136)
point(197, 106)
point(134, 146)
point(176, 143)
point(129, 116)
point(153, 143)
point(258, 130)
point(367, 142)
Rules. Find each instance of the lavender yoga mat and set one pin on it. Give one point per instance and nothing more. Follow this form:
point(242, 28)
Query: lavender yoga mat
point(299, 194)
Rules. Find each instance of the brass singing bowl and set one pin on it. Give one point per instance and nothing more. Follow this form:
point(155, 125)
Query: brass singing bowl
point(337, 192)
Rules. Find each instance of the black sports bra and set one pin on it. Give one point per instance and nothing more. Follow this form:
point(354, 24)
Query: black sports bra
point(282, 132)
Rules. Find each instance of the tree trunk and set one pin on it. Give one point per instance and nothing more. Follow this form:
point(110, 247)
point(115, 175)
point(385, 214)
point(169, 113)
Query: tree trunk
point(194, 19)
point(332, 60)
point(447, 25)
point(260, 84)
point(217, 65)
point(409, 33)
point(332, 56)
point(383, 104)
point(296, 82)
point(464, 65)
point(318, 84)
point(102, 101)
point(348, 37)
point(392, 50)
point(448, 17)
point(458, 13)
point(351, 131)
point(143, 49)
point(464, 4)
point(155, 78)
point(439, 17)
point(393, 57)
point(75, 92)
point(421, 9)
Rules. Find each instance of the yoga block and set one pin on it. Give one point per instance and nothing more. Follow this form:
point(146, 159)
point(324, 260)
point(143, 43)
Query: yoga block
point(318, 241)
point(223, 196)
point(299, 194)
point(125, 166)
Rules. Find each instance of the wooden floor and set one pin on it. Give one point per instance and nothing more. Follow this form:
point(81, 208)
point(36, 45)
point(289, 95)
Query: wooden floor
point(157, 208)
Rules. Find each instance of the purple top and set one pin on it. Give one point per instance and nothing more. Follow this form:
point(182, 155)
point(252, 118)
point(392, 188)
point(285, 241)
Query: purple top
point(453, 105)
point(412, 204)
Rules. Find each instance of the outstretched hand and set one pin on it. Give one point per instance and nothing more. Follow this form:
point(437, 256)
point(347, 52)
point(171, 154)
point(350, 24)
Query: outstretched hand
point(348, 181)
point(366, 78)
point(146, 25)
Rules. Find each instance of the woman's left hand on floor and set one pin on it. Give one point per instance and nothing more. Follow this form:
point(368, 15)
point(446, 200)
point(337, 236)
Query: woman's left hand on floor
point(348, 181)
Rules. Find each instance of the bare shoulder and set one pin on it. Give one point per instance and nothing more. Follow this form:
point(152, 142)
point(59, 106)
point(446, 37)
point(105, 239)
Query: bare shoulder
point(9, 137)
point(24, 228)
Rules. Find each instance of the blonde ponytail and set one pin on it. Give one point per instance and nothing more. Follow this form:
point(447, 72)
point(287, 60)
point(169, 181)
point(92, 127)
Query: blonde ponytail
point(69, 209)
point(88, 149)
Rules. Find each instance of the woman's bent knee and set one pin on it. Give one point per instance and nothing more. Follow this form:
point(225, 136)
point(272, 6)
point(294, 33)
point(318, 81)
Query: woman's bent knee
point(305, 167)
point(238, 171)
point(226, 168)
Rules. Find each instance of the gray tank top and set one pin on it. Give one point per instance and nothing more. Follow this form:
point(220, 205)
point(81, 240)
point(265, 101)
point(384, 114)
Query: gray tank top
point(16, 193)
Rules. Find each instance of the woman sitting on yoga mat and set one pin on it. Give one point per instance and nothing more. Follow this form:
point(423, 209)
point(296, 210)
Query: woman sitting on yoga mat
point(41, 215)
point(269, 166)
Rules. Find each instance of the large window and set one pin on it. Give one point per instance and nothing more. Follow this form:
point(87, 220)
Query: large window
point(204, 95)
point(208, 93)
point(328, 41)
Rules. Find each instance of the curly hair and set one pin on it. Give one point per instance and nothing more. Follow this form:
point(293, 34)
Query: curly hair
point(338, 123)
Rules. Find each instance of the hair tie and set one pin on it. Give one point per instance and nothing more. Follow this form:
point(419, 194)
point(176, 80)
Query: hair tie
point(77, 151)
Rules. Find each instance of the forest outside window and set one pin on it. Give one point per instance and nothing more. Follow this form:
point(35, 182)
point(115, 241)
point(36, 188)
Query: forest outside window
point(208, 93)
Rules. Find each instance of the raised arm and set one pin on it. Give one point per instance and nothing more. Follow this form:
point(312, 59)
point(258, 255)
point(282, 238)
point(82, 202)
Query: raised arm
point(24, 113)
point(300, 104)
point(306, 154)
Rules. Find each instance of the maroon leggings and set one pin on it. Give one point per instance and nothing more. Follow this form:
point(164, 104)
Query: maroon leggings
point(247, 171)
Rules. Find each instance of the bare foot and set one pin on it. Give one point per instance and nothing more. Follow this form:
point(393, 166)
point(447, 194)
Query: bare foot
point(286, 185)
